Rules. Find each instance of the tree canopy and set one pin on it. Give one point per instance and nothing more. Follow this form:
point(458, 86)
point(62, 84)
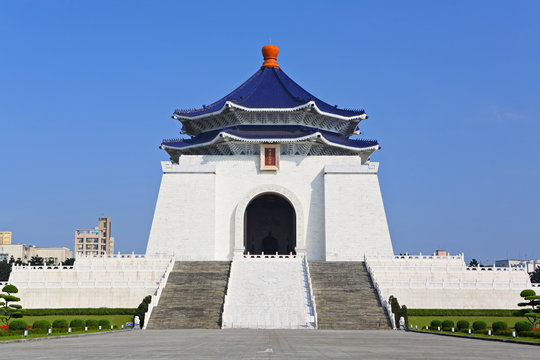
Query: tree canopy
point(7, 310)
point(532, 313)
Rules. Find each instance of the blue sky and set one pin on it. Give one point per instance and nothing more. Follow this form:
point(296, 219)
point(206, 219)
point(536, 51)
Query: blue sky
point(452, 90)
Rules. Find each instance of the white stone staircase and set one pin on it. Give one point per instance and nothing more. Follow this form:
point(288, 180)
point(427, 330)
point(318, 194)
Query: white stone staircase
point(269, 292)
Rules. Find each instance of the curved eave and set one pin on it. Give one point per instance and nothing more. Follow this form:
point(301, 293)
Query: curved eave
point(316, 135)
point(230, 104)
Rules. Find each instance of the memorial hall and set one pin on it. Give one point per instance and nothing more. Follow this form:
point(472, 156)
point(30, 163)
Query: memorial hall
point(270, 215)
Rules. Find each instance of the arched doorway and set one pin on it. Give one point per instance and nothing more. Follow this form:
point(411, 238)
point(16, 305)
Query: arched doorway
point(270, 225)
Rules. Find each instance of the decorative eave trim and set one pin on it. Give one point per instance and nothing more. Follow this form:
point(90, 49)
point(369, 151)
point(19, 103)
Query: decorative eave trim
point(309, 104)
point(315, 135)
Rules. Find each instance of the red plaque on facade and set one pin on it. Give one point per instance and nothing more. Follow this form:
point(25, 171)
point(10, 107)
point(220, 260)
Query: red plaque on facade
point(270, 157)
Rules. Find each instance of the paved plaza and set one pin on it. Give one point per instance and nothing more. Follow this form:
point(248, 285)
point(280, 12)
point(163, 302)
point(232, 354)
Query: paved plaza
point(265, 344)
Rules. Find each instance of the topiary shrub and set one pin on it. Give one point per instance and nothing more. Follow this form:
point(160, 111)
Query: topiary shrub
point(499, 325)
point(523, 326)
point(479, 325)
point(76, 323)
point(92, 323)
point(436, 323)
point(41, 324)
point(18, 324)
point(527, 292)
point(447, 324)
point(104, 323)
point(462, 324)
point(60, 324)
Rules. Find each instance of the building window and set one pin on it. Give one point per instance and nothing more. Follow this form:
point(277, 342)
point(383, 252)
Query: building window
point(81, 246)
point(80, 240)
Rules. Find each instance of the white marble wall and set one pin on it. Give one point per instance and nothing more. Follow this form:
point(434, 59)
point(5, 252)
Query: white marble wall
point(110, 281)
point(200, 208)
point(430, 282)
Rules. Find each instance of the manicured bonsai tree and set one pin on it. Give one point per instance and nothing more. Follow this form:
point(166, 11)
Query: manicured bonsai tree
point(532, 313)
point(462, 324)
point(7, 310)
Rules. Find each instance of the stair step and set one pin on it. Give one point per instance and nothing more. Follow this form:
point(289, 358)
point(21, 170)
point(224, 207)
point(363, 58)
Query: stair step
point(193, 297)
point(345, 297)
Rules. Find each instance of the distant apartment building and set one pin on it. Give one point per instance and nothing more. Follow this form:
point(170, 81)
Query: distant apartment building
point(5, 237)
point(531, 265)
point(50, 255)
point(97, 241)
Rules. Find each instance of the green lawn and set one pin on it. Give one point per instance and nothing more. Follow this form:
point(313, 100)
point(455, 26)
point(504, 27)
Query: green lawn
point(114, 319)
point(423, 321)
point(30, 336)
point(528, 339)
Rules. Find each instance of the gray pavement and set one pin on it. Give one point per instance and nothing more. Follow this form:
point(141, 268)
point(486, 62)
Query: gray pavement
point(265, 344)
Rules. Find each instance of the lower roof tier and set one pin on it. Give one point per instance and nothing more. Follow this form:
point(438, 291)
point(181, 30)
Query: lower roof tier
point(245, 140)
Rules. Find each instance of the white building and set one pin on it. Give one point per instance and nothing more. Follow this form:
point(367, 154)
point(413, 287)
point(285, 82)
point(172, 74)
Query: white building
point(267, 173)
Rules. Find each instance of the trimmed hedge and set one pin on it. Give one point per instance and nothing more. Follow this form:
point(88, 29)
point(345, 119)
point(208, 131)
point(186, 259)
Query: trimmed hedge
point(462, 324)
point(104, 323)
point(499, 325)
point(76, 323)
point(503, 332)
point(460, 312)
point(80, 311)
point(435, 324)
point(479, 325)
point(447, 324)
point(521, 326)
point(18, 325)
point(60, 324)
point(41, 324)
point(92, 323)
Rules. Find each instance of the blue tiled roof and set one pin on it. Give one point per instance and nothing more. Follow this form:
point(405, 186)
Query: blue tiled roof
point(269, 88)
point(248, 132)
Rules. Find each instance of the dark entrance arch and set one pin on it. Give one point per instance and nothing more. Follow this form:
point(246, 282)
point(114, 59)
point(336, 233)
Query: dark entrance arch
point(270, 225)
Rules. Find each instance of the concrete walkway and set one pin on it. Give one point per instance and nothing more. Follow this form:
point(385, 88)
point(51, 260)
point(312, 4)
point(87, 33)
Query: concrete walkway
point(266, 344)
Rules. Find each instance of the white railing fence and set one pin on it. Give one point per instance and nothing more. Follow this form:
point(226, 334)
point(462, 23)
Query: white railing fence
point(535, 285)
point(271, 256)
point(123, 256)
point(383, 301)
point(311, 301)
point(157, 293)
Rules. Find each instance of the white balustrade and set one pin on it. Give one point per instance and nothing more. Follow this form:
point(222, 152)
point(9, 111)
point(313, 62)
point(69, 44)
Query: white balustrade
point(383, 301)
point(157, 294)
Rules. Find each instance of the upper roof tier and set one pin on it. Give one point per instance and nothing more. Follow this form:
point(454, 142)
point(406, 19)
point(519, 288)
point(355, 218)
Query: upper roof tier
point(269, 90)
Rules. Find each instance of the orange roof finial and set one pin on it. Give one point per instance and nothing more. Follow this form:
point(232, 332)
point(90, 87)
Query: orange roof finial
point(270, 53)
